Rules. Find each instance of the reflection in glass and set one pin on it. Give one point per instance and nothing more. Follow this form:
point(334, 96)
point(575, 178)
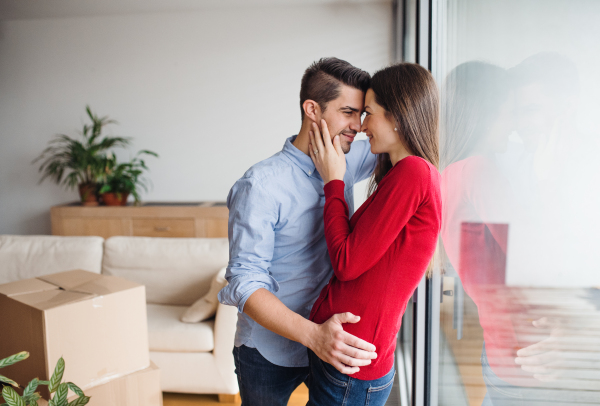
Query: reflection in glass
point(521, 199)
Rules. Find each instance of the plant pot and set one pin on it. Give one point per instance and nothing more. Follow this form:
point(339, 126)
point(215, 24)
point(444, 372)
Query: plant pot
point(87, 194)
point(112, 199)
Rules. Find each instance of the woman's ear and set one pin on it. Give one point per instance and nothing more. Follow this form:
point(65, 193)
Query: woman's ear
point(312, 110)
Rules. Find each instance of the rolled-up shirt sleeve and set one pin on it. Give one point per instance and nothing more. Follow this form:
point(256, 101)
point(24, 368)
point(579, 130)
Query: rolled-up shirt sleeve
point(253, 216)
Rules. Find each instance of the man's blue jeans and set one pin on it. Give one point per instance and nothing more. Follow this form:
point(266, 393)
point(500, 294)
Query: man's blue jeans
point(263, 383)
point(327, 386)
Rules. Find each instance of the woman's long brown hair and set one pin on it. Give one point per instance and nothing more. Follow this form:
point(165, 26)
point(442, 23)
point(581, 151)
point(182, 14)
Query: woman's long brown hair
point(410, 97)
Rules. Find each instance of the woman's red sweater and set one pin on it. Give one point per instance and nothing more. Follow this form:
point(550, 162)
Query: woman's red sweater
point(380, 255)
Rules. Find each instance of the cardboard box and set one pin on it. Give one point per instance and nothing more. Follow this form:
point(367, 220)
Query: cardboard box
point(97, 323)
point(138, 389)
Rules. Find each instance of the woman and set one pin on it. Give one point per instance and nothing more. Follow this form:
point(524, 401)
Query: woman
point(381, 254)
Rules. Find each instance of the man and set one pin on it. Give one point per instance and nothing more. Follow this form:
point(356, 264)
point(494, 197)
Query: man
point(278, 254)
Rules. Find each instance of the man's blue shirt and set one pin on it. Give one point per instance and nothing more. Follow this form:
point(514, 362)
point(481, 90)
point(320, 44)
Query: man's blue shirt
point(277, 241)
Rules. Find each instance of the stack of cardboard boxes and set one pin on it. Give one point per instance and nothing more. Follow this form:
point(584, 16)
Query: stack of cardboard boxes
point(97, 323)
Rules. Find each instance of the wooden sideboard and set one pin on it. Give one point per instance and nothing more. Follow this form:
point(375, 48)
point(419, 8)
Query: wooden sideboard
point(183, 220)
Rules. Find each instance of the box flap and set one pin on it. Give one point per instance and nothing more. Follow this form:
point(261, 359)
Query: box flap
point(51, 298)
point(25, 286)
point(50, 291)
point(107, 284)
point(87, 282)
point(70, 280)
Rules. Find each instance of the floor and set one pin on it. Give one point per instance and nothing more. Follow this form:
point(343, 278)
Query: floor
point(299, 398)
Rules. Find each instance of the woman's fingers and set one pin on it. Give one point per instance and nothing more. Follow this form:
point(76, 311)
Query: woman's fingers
point(337, 144)
point(312, 154)
point(318, 139)
point(326, 135)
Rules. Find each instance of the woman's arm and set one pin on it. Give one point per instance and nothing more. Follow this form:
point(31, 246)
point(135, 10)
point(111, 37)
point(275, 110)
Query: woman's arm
point(354, 252)
point(398, 198)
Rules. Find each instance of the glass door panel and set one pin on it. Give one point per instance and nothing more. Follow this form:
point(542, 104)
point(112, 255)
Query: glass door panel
point(513, 305)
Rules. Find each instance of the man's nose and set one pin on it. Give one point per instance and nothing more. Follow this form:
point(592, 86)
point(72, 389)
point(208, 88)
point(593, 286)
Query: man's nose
point(355, 125)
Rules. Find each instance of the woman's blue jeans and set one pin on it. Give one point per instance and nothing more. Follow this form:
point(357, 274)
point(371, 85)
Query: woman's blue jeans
point(328, 387)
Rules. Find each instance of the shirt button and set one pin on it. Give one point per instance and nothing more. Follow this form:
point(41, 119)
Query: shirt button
point(309, 173)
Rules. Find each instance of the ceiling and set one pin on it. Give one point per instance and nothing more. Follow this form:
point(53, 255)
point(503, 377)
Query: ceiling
point(36, 9)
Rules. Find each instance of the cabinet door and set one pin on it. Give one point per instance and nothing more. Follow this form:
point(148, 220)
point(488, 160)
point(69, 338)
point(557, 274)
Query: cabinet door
point(103, 227)
point(216, 228)
point(164, 227)
point(210, 227)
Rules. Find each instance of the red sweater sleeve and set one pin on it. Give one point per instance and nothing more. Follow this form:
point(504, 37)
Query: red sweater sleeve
point(398, 197)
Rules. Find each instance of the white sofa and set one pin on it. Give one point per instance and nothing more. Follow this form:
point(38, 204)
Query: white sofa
point(193, 358)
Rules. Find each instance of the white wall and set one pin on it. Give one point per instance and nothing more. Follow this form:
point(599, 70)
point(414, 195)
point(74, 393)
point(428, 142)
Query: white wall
point(212, 91)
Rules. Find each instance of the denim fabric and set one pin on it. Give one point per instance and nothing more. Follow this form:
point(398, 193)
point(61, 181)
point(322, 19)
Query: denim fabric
point(263, 383)
point(328, 387)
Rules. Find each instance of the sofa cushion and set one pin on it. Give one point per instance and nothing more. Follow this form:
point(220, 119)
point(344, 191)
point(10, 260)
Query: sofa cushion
point(206, 307)
point(176, 271)
point(30, 256)
point(167, 334)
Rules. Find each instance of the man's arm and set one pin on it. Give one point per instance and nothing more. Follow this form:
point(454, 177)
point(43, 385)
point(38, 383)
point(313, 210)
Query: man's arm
point(328, 341)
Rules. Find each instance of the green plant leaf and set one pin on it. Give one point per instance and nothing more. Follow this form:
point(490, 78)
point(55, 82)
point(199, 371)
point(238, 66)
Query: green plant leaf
point(147, 152)
point(75, 389)
point(70, 161)
point(80, 401)
point(57, 375)
point(33, 398)
point(8, 381)
point(44, 382)
point(11, 397)
point(33, 403)
point(60, 399)
point(31, 387)
point(13, 359)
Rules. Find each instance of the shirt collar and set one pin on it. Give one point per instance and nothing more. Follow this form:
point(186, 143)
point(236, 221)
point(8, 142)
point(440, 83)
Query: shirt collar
point(298, 157)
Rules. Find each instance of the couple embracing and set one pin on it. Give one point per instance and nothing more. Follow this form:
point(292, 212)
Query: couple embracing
point(320, 289)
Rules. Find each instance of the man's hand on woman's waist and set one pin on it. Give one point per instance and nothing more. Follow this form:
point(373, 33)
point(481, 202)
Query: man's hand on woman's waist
point(333, 345)
point(328, 341)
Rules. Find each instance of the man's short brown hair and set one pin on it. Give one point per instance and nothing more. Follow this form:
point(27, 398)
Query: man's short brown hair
point(322, 81)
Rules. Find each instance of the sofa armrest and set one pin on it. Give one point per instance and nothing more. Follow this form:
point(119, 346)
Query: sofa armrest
point(225, 325)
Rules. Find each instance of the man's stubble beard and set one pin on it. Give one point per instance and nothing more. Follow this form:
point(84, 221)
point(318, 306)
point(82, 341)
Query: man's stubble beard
point(346, 147)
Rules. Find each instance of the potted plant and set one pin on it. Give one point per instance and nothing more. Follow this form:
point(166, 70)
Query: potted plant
point(122, 179)
point(73, 162)
point(58, 390)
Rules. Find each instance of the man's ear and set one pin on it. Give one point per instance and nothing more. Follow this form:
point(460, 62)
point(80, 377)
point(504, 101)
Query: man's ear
point(312, 110)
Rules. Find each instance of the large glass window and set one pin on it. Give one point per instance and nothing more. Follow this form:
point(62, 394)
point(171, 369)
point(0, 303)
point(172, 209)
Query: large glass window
point(513, 305)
